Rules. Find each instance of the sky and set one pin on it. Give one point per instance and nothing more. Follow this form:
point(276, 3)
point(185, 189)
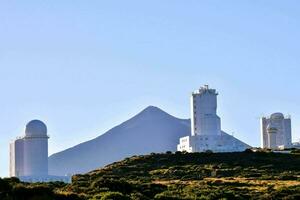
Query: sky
point(83, 67)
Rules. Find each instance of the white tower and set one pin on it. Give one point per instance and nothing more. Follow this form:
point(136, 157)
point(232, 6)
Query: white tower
point(276, 131)
point(36, 149)
point(271, 134)
point(204, 119)
point(206, 133)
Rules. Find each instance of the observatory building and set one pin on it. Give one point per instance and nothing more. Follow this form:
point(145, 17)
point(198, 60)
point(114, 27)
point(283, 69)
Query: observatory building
point(29, 155)
point(206, 126)
point(276, 132)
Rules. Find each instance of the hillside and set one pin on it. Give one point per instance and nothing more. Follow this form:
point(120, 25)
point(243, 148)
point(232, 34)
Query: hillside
point(197, 176)
point(244, 175)
point(152, 130)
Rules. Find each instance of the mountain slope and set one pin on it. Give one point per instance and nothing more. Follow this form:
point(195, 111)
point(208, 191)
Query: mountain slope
point(152, 130)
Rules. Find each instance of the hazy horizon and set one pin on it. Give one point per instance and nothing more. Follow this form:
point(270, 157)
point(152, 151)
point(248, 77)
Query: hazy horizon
point(84, 67)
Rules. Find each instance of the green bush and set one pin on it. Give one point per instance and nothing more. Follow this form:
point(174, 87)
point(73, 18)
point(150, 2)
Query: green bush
point(114, 196)
point(113, 185)
point(167, 195)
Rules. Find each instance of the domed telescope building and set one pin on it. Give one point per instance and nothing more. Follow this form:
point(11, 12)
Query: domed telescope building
point(36, 149)
point(29, 155)
point(276, 132)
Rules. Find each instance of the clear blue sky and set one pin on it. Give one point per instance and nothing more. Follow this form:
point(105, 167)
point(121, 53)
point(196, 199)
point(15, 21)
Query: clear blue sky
point(85, 66)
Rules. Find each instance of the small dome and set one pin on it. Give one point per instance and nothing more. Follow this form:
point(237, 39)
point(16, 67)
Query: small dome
point(36, 128)
point(277, 116)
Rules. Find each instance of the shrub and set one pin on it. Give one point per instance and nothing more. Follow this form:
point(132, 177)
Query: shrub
point(4, 186)
point(167, 195)
point(113, 185)
point(248, 151)
point(114, 196)
point(287, 176)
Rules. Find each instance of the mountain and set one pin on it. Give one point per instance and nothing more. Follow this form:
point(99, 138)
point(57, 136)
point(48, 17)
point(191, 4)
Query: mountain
point(152, 130)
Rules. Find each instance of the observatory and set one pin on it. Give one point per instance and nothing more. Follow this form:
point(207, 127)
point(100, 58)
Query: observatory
point(276, 132)
point(29, 155)
point(204, 118)
point(36, 149)
point(206, 133)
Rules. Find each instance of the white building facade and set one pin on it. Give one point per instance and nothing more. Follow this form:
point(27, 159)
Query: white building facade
point(206, 133)
point(29, 155)
point(276, 132)
point(16, 162)
point(204, 118)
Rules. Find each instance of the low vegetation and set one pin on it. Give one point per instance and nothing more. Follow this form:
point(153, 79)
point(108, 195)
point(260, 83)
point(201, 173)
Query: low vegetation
point(246, 175)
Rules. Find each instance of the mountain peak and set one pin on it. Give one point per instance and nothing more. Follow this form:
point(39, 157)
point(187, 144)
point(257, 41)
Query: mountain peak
point(152, 109)
point(152, 113)
point(152, 130)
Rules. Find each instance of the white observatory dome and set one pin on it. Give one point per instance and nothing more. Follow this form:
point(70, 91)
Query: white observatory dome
point(36, 128)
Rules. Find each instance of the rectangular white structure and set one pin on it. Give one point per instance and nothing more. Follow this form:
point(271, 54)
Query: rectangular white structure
point(16, 158)
point(204, 118)
point(216, 143)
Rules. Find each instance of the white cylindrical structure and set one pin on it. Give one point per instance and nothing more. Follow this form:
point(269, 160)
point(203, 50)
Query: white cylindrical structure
point(204, 119)
point(36, 149)
point(272, 134)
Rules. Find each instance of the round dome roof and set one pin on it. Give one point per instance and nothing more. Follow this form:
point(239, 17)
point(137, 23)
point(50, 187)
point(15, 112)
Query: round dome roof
point(277, 116)
point(36, 128)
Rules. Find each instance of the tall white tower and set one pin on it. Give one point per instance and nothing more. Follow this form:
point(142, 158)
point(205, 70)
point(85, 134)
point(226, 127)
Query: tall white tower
point(271, 135)
point(36, 149)
point(206, 133)
point(204, 119)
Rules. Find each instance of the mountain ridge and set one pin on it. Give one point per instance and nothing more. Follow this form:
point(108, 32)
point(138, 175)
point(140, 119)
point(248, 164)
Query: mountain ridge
point(147, 109)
